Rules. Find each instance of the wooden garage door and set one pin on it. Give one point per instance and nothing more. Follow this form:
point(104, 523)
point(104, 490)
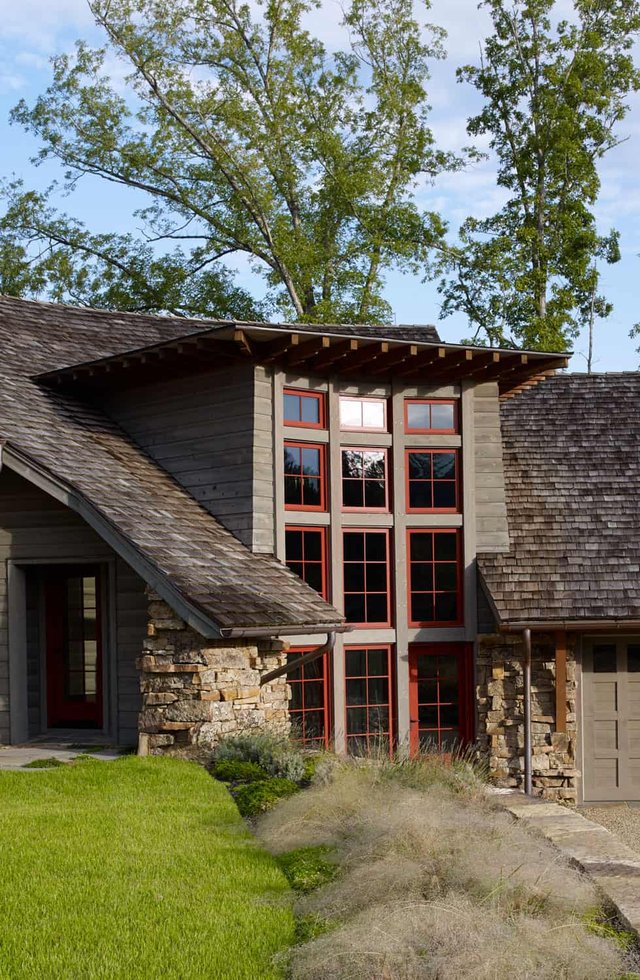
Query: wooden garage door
point(611, 720)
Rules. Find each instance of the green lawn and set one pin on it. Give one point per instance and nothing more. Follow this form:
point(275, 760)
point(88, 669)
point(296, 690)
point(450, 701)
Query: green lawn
point(135, 868)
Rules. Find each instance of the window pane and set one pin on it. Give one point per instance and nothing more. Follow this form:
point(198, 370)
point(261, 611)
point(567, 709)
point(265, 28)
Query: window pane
point(448, 715)
point(372, 414)
point(292, 490)
point(313, 694)
point(378, 690)
point(445, 547)
point(444, 466)
point(310, 409)
point(293, 545)
point(444, 495)
point(377, 609)
point(421, 577)
point(313, 545)
point(292, 459)
point(374, 465)
point(354, 577)
point(354, 608)
point(379, 720)
point(421, 608)
point(633, 658)
point(446, 607)
point(356, 663)
point(374, 495)
point(421, 547)
point(356, 721)
point(297, 568)
point(313, 576)
point(605, 658)
point(427, 690)
point(376, 547)
point(352, 493)
point(311, 493)
point(376, 578)
point(353, 546)
point(419, 466)
point(291, 408)
point(428, 715)
point(420, 496)
point(350, 413)
point(377, 662)
point(356, 691)
point(351, 463)
point(311, 462)
point(418, 416)
point(446, 578)
point(442, 416)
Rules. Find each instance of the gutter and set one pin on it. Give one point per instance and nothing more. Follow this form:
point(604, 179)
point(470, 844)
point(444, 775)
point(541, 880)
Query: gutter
point(305, 658)
point(240, 632)
point(572, 625)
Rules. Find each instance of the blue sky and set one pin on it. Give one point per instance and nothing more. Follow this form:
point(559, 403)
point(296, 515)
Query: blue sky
point(33, 30)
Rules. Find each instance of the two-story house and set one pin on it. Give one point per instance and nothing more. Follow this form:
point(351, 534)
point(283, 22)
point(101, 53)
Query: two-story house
point(208, 526)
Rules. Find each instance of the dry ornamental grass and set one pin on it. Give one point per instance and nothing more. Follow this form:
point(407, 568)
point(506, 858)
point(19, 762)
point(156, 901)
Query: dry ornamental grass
point(436, 883)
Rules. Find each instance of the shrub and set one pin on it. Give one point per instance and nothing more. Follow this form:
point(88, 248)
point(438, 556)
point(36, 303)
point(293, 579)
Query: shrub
point(277, 756)
point(49, 763)
point(237, 771)
point(254, 798)
point(308, 867)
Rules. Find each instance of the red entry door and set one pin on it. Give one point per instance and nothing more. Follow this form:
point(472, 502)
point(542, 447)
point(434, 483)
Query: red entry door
point(440, 696)
point(73, 647)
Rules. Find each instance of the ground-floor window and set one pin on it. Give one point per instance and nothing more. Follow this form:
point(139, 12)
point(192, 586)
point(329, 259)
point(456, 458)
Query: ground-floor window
point(441, 703)
point(369, 721)
point(309, 704)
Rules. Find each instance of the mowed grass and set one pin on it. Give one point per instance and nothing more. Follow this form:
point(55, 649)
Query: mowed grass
point(134, 868)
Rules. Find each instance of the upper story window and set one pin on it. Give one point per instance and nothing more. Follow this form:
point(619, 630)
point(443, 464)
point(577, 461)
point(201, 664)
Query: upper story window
point(432, 480)
point(364, 479)
point(304, 476)
point(435, 579)
point(304, 408)
point(364, 414)
point(366, 577)
point(306, 555)
point(428, 416)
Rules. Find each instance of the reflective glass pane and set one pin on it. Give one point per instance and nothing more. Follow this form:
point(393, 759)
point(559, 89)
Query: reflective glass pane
point(418, 416)
point(374, 494)
point(378, 690)
point(292, 459)
point(351, 463)
point(356, 691)
point(314, 724)
point(356, 663)
point(313, 694)
point(449, 740)
point(419, 466)
point(297, 568)
point(311, 462)
point(372, 414)
point(604, 658)
point(444, 495)
point(356, 720)
point(420, 496)
point(292, 490)
point(444, 466)
point(427, 666)
point(379, 720)
point(378, 661)
point(311, 493)
point(310, 409)
point(291, 408)
point(374, 465)
point(442, 416)
point(447, 665)
point(352, 493)
point(350, 413)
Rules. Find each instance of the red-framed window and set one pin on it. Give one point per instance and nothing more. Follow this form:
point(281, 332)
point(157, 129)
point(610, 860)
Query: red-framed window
point(440, 696)
point(306, 555)
point(430, 415)
point(367, 592)
point(363, 414)
point(364, 479)
point(304, 476)
point(310, 704)
point(304, 408)
point(432, 480)
point(368, 698)
point(435, 577)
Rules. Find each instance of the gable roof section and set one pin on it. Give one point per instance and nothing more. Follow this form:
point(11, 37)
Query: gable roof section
point(84, 459)
point(571, 449)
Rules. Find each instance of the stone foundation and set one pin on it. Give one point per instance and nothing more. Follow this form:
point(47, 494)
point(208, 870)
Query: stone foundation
point(499, 692)
point(195, 690)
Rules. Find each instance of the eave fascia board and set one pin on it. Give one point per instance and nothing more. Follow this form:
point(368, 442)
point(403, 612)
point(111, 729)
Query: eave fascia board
point(27, 468)
point(614, 625)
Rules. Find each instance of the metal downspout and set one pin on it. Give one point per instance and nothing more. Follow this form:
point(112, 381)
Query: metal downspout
point(304, 658)
point(526, 672)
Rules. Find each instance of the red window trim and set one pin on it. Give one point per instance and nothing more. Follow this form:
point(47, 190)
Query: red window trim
point(371, 530)
point(364, 428)
point(319, 396)
point(390, 678)
point(407, 481)
point(465, 688)
point(327, 688)
point(324, 563)
point(367, 449)
point(458, 621)
point(431, 401)
point(320, 446)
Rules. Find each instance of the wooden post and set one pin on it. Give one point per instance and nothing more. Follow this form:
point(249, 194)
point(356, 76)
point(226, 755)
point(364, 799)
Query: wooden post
point(561, 681)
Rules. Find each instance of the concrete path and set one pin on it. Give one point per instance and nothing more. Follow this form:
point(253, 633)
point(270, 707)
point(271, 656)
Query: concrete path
point(17, 756)
point(614, 867)
point(622, 819)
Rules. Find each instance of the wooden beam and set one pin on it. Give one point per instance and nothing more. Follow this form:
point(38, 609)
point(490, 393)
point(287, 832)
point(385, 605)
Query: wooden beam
point(273, 350)
point(364, 357)
point(561, 681)
point(421, 363)
point(240, 338)
point(333, 354)
point(454, 366)
point(396, 357)
point(304, 351)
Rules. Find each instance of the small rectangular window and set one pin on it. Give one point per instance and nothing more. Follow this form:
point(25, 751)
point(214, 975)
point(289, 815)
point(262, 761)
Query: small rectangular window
point(429, 416)
point(364, 479)
point(309, 704)
point(304, 408)
point(435, 593)
point(366, 414)
point(304, 476)
point(366, 577)
point(432, 480)
point(368, 699)
point(305, 554)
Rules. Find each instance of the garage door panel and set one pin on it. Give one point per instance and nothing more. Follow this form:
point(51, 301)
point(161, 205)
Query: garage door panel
point(606, 774)
point(605, 738)
point(605, 698)
point(633, 734)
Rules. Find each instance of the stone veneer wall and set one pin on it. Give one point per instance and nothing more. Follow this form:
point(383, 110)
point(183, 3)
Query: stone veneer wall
point(195, 690)
point(499, 691)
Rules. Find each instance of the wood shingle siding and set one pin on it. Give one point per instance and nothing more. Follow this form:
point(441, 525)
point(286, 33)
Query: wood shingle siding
point(491, 510)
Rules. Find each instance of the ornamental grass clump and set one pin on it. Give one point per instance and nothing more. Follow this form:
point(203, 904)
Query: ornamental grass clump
point(435, 882)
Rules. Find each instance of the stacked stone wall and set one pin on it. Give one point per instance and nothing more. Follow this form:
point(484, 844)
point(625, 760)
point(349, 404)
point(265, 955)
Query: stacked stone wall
point(195, 690)
point(500, 698)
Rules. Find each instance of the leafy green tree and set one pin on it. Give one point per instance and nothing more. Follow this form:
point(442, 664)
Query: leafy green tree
point(554, 94)
point(248, 139)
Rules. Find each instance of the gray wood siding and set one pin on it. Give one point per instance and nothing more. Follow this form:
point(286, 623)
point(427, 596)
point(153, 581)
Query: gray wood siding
point(36, 528)
point(492, 532)
point(212, 432)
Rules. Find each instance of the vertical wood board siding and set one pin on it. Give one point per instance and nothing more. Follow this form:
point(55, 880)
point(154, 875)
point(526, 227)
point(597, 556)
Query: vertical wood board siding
point(492, 532)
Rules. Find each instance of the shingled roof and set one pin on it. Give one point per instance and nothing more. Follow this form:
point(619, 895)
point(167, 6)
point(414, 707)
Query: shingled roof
point(572, 467)
point(200, 567)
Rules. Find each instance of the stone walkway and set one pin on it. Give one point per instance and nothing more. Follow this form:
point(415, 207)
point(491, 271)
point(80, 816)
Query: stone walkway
point(614, 867)
point(622, 819)
point(17, 756)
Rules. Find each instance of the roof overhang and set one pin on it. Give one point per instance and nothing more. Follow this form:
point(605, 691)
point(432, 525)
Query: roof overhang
point(317, 351)
point(613, 625)
point(29, 469)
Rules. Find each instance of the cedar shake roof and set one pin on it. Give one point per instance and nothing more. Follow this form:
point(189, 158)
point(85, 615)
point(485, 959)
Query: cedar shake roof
point(571, 448)
point(203, 570)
